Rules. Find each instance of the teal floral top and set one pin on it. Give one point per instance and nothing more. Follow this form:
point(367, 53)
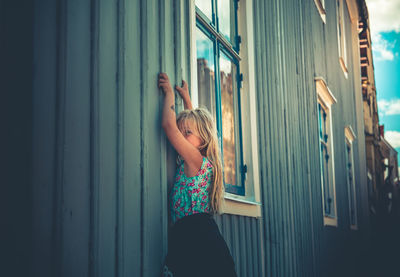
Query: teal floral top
point(189, 195)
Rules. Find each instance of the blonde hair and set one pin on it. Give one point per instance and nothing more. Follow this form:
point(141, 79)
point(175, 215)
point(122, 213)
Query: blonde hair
point(205, 126)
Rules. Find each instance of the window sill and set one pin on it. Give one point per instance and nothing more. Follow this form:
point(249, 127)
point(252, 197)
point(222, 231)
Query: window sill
point(238, 206)
point(330, 221)
point(240, 199)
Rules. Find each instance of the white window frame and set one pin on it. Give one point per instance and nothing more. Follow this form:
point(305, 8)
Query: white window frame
point(327, 99)
point(320, 4)
point(341, 33)
point(249, 204)
point(349, 139)
point(386, 169)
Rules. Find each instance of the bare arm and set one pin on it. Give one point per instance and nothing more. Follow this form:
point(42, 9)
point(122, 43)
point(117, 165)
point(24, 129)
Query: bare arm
point(184, 92)
point(168, 116)
point(189, 153)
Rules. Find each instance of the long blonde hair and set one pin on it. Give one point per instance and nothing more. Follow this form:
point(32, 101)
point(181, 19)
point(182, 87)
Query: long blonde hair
point(207, 130)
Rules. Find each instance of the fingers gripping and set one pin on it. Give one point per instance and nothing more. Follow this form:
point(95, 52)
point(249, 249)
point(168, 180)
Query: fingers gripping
point(163, 83)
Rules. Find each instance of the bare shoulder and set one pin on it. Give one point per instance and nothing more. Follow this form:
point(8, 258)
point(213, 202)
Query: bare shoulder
point(191, 155)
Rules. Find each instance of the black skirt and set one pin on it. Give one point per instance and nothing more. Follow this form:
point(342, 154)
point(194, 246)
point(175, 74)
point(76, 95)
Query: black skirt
point(197, 248)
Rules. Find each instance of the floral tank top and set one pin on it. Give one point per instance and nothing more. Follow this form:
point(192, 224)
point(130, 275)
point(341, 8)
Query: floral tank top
point(189, 195)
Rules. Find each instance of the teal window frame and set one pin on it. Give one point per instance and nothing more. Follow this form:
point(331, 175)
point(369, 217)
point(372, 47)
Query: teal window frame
point(329, 209)
point(210, 28)
point(350, 182)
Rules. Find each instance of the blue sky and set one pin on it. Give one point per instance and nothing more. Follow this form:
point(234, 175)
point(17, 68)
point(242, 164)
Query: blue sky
point(384, 16)
point(387, 81)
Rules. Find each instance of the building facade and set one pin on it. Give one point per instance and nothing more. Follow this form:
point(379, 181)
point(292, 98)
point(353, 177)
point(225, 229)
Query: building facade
point(284, 83)
point(371, 118)
point(382, 165)
point(390, 175)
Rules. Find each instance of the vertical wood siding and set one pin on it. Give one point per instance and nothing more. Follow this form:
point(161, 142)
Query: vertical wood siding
point(292, 46)
point(102, 165)
point(288, 149)
point(100, 182)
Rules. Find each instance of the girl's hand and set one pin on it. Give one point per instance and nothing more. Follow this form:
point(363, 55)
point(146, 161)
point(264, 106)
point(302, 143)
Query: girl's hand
point(164, 84)
point(183, 91)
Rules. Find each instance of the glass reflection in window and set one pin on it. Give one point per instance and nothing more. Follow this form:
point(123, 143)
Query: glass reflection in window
point(228, 73)
point(205, 6)
point(226, 19)
point(205, 72)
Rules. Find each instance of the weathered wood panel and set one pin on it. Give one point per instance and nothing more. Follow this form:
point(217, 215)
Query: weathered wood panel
point(110, 192)
point(73, 176)
point(293, 46)
point(244, 241)
point(105, 107)
point(45, 120)
point(130, 206)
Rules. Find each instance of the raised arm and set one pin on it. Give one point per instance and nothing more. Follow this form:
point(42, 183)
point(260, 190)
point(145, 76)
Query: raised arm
point(186, 150)
point(184, 92)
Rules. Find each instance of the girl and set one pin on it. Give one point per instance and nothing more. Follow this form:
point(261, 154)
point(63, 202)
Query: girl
point(196, 247)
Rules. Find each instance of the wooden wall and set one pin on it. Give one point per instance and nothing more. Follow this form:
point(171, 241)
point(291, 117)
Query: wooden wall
point(289, 161)
point(293, 46)
point(100, 166)
point(100, 156)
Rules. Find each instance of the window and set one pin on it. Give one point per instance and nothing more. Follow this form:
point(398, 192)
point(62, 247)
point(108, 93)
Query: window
point(386, 168)
point(223, 82)
point(321, 9)
point(370, 185)
point(325, 99)
point(341, 36)
point(349, 138)
point(219, 81)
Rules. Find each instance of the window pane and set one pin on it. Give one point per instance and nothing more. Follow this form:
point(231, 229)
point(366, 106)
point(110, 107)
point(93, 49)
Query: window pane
point(205, 6)
point(350, 182)
point(321, 135)
point(226, 19)
point(205, 72)
point(228, 73)
point(324, 157)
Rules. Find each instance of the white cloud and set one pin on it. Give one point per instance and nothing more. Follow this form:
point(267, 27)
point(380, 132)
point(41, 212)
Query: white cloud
point(393, 137)
point(383, 49)
point(391, 107)
point(384, 15)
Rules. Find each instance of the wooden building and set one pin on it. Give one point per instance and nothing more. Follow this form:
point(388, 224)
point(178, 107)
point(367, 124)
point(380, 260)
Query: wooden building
point(90, 168)
point(371, 118)
point(390, 167)
point(381, 156)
